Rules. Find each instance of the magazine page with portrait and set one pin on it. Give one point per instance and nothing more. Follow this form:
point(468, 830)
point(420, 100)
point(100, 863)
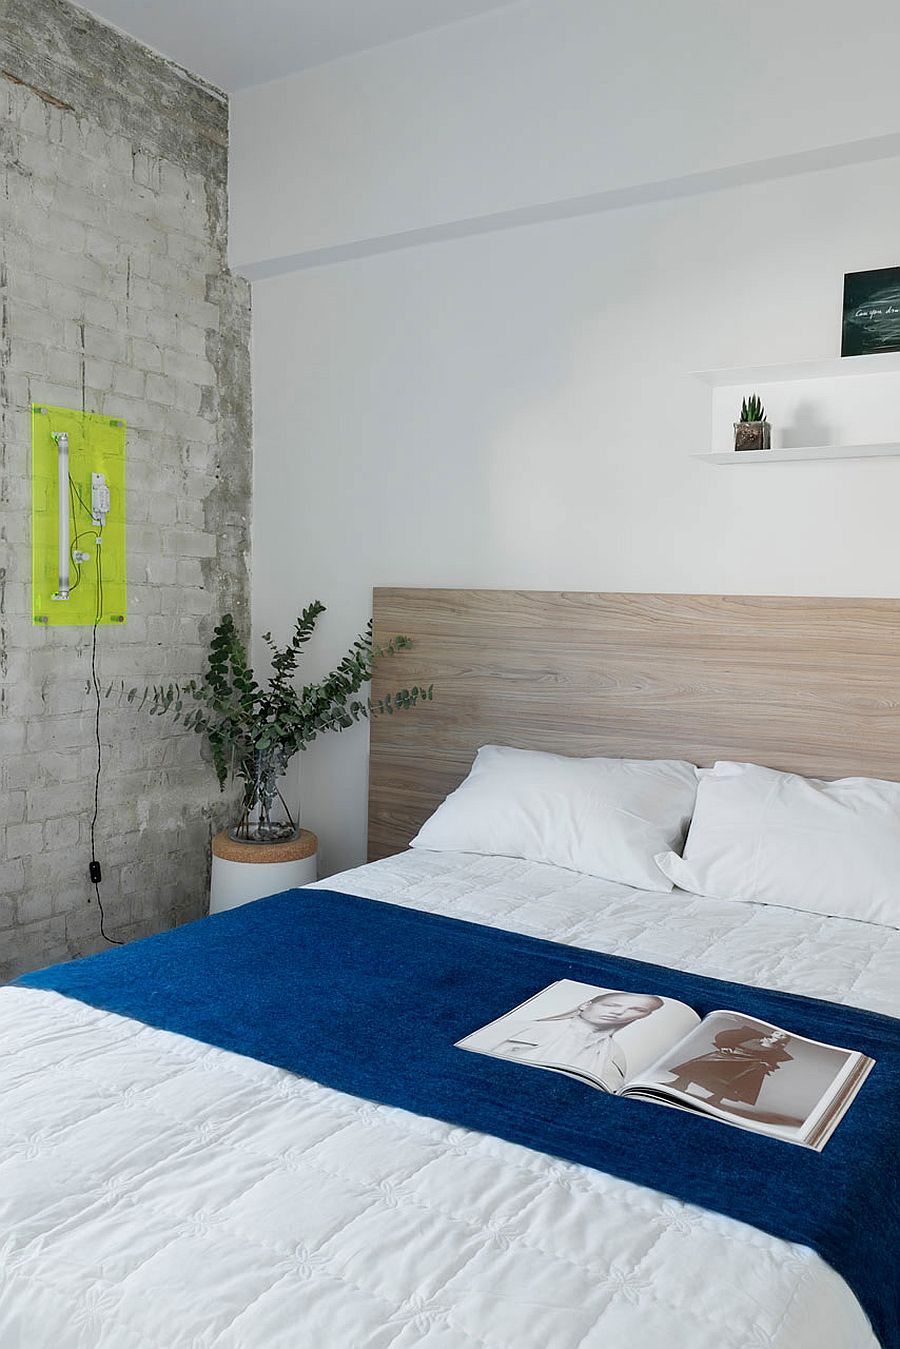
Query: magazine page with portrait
point(729, 1066)
point(757, 1076)
point(603, 1036)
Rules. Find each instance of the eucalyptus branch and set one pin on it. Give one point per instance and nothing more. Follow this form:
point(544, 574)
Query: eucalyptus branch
point(242, 719)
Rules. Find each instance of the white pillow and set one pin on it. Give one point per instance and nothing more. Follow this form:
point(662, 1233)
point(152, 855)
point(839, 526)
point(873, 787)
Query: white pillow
point(605, 817)
point(823, 847)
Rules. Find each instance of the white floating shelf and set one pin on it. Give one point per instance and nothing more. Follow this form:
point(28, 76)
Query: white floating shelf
point(886, 363)
point(747, 458)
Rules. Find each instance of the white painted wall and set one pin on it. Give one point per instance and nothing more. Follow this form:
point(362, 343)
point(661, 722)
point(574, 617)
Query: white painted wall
point(547, 100)
point(513, 408)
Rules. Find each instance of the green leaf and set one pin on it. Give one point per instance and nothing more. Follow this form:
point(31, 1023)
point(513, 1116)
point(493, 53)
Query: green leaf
point(240, 719)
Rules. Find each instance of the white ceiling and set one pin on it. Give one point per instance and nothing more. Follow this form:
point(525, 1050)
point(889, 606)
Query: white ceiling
point(237, 43)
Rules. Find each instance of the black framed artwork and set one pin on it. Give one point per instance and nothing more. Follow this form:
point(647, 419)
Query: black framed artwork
point(871, 312)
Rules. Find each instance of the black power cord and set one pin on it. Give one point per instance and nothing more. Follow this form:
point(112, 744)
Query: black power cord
point(94, 871)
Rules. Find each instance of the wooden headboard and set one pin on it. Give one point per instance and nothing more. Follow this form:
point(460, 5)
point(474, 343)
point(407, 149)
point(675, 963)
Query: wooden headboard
point(805, 685)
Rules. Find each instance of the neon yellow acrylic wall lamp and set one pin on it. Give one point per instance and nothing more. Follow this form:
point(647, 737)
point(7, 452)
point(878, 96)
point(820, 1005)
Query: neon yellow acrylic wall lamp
point(78, 517)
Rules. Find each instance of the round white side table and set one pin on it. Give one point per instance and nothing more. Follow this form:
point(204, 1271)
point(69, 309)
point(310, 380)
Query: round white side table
point(245, 871)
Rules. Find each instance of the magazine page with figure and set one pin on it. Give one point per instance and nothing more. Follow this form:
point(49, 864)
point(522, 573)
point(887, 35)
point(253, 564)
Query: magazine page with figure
point(757, 1076)
point(602, 1036)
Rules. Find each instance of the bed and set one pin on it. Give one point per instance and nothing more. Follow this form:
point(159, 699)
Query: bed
point(157, 1191)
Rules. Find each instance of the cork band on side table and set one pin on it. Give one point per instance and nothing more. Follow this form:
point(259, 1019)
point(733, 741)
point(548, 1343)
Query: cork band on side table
point(245, 871)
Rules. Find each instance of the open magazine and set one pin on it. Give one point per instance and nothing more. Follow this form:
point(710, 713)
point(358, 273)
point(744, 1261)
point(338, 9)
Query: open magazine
point(729, 1066)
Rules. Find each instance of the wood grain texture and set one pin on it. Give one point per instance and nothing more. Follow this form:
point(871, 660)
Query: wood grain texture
point(804, 685)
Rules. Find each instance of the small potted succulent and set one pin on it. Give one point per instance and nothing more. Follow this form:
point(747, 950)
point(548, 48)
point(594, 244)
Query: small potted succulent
point(752, 432)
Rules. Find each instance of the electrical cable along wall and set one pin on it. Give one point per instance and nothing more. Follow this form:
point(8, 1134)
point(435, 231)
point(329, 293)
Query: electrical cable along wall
point(78, 542)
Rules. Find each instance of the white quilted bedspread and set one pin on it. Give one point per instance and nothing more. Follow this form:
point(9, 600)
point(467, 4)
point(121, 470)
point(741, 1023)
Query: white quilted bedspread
point(156, 1193)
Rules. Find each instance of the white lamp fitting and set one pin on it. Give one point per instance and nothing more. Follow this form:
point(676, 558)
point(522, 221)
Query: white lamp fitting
point(62, 445)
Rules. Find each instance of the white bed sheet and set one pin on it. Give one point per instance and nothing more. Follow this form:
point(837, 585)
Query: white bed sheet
point(156, 1193)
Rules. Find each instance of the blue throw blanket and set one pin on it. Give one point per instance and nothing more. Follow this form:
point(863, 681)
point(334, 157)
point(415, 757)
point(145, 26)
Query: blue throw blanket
point(369, 998)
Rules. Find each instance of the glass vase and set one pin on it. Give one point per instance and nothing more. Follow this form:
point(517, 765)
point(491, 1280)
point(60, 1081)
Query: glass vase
point(265, 817)
point(752, 435)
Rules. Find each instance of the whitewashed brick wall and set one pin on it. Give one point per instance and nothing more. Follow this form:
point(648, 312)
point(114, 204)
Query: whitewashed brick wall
point(115, 297)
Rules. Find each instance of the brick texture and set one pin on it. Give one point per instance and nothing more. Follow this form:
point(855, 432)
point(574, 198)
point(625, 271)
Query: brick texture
point(114, 297)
